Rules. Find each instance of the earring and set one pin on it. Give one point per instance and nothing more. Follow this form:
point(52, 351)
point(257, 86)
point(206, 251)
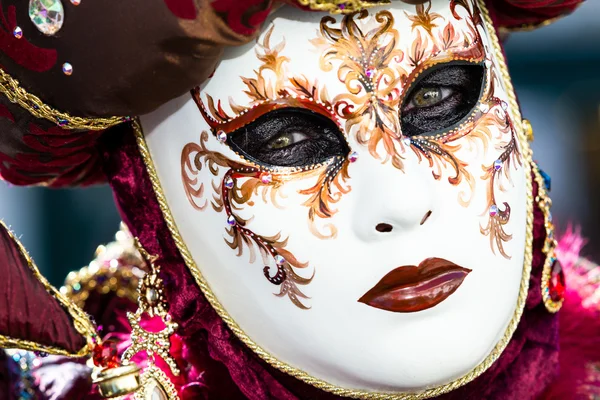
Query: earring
point(553, 279)
point(155, 385)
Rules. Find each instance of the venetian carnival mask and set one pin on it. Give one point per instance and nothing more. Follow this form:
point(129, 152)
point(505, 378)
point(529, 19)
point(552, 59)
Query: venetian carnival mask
point(352, 194)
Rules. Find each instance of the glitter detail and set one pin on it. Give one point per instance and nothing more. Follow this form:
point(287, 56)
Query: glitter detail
point(229, 183)
point(279, 260)
point(231, 221)
point(371, 72)
point(18, 32)
point(353, 157)
point(221, 136)
point(47, 15)
point(493, 210)
point(498, 165)
point(266, 178)
point(67, 69)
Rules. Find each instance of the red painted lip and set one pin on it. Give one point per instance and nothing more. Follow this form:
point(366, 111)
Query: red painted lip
point(410, 289)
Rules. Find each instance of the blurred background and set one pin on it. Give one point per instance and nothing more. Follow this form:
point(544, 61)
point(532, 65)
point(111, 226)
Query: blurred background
point(556, 72)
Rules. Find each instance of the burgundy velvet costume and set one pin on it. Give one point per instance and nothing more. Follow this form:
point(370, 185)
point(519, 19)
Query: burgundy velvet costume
point(37, 151)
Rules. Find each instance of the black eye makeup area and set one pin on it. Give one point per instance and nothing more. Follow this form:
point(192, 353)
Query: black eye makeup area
point(441, 98)
point(289, 137)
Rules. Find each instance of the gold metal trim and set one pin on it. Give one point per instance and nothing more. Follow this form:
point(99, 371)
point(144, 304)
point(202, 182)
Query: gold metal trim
point(341, 6)
point(321, 384)
point(550, 245)
point(15, 93)
point(81, 321)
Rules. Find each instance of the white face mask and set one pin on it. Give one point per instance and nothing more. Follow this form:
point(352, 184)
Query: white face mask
point(353, 192)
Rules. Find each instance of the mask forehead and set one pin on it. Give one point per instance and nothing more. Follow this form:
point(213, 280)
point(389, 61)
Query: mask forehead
point(324, 52)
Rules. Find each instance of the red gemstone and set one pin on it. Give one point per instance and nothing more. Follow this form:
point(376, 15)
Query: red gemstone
point(106, 355)
point(556, 285)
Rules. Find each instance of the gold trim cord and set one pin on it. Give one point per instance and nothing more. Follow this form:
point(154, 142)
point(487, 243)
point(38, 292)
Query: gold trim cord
point(15, 93)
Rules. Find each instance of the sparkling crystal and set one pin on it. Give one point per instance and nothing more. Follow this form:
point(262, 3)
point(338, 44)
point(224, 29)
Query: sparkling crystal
point(547, 179)
point(18, 32)
point(342, 6)
point(488, 63)
point(483, 107)
point(494, 210)
point(151, 296)
point(279, 260)
point(504, 105)
point(76, 2)
point(556, 284)
point(229, 183)
point(498, 165)
point(47, 15)
point(371, 72)
point(266, 178)
point(62, 122)
point(221, 136)
point(353, 157)
point(407, 141)
point(106, 355)
point(67, 69)
point(231, 220)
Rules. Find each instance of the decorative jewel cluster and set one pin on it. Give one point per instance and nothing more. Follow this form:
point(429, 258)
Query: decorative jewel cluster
point(48, 17)
point(553, 278)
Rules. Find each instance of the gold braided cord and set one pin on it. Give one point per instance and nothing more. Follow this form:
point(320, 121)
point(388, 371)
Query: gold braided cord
point(15, 93)
point(341, 6)
point(321, 384)
point(81, 321)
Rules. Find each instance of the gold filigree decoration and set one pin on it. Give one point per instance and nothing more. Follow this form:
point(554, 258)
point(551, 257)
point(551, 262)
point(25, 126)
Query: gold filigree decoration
point(550, 244)
point(229, 196)
point(15, 93)
point(117, 268)
point(83, 325)
point(424, 18)
point(369, 67)
point(319, 383)
point(267, 93)
point(156, 386)
point(341, 6)
point(151, 301)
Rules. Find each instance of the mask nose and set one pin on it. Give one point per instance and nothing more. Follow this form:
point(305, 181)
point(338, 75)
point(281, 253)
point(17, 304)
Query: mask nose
point(393, 203)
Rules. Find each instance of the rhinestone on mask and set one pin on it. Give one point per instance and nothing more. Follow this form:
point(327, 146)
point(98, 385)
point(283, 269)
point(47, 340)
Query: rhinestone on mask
point(229, 183)
point(504, 105)
point(266, 178)
point(371, 72)
point(221, 136)
point(279, 260)
point(47, 15)
point(407, 141)
point(67, 69)
point(498, 165)
point(353, 157)
point(483, 107)
point(231, 221)
point(18, 32)
point(493, 210)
